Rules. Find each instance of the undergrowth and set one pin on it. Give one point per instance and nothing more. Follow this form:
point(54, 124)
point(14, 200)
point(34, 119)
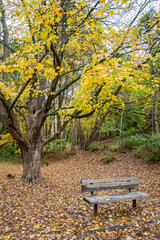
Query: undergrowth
point(96, 146)
point(146, 147)
point(9, 153)
point(58, 144)
point(107, 157)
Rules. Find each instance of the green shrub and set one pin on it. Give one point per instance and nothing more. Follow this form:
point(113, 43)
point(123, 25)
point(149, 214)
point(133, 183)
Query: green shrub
point(147, 154)
point(113, 146)
point(95, 146)
point(130, 132)
point(131, 142)
point(107, 157)
point(9, 150)
point(145, 147)
point(140, 152)
point(154, 142)
point(57, 144)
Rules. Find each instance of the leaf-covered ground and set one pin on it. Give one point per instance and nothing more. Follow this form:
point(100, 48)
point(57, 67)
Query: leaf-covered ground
point(55, 209)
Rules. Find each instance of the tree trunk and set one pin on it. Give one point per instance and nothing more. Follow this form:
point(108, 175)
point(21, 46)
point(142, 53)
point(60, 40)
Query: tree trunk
point(5, 39)
point(73, 137)
point(31, 158)
point(120, 131)
point(155, 113)
point(92, 134)
point(60, 102)
point(80, 134)
point(98, 123)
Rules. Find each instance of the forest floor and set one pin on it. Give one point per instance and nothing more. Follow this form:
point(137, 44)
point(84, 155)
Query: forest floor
point(55, 208)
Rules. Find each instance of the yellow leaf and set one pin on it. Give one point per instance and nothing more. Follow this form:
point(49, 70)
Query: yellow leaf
point(111, 12)
point(99, 233)
point(106, 6)
point(102, 1)
point(53, 229)
point(96, 226)
point(69, 21)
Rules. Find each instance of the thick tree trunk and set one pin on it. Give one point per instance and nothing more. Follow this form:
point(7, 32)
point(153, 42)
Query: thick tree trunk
point(31, 158)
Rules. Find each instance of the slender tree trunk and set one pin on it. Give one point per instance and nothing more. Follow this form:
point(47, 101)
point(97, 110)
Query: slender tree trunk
point(5, 39)
point(97, 125)
point(60, 102)
point(120, 130)
point(92, 134)
point(155, 113)
point(80, 134)
point(73, 137)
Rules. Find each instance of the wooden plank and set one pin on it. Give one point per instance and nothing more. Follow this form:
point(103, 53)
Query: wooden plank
point(109, 180)
point(108, 186)
point(116, 197)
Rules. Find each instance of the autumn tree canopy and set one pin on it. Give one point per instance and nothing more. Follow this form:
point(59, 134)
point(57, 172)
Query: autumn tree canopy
point(66, 59)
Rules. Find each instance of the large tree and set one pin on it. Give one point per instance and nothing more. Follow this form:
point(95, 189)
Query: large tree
point(53, 46)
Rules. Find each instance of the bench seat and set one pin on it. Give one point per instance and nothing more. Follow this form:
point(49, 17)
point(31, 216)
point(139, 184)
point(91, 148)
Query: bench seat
point(115, 197)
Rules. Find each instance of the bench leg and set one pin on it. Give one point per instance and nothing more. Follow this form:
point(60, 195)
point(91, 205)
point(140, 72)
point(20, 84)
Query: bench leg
point(134, 203)
point(95, 209)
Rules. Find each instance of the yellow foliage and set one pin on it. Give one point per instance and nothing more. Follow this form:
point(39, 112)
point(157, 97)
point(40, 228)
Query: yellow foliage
point(7, 138)
point(90, 44)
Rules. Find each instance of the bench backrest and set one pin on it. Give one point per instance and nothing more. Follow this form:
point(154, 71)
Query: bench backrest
point(94, 185)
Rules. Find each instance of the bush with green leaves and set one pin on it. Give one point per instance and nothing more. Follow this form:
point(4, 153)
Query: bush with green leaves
point(131, 142)
point(107, 157)
point(111, 127)
point(113, 145)
point(146, 147)
point(130, 132)
point(58, 144)
point(9, 150)
point(95, 146)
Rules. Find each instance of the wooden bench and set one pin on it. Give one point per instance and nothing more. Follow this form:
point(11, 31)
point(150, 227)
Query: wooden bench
point(110, 184)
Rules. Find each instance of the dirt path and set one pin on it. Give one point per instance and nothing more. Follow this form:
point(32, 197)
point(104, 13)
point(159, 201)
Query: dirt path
point(55, 209)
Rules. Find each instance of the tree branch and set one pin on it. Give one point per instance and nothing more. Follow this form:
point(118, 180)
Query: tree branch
point(55, 135)
point(81, 23)
point(93, 110)
point(29, 23)
point(28, 81)
point(6, 45)
point(140, 10)
point(4, 102)
point(55, 54)
point(23, 116)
